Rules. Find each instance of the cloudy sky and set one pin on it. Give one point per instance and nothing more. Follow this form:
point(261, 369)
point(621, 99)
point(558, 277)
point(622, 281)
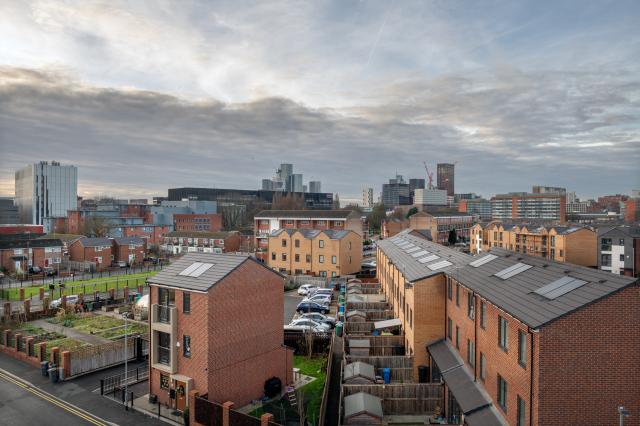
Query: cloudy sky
point(143, 96)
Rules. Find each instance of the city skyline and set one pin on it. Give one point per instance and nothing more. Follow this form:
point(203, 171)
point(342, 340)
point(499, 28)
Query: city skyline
point(188, 95)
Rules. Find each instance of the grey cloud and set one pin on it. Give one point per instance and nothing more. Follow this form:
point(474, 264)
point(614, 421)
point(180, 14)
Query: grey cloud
point(528, 131)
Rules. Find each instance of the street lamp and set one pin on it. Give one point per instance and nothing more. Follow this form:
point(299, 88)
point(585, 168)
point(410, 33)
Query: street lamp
point(622, 413)
point(125, 316)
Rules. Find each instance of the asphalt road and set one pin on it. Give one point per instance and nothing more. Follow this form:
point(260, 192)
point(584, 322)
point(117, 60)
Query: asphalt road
point(23, 404)
point(291, 300)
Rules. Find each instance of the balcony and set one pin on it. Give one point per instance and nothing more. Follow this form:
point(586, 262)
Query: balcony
point(164, 329)
point(164, 355)
point(164, 314)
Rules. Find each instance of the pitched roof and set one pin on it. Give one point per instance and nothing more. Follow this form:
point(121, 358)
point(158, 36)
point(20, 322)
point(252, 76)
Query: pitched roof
point(421, 233)
point(128, 240)
point(517, 294)
point(312, 233)
point(421, 262)
point(35, 243)
point(64, 237)
point(359, 369)
point(94, 242)
point(222, 265)
point(362, 402)
point(201, 234)
point(306, 214)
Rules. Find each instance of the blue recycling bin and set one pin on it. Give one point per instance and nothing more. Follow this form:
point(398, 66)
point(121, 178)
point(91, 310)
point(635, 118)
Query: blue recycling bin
point(341, 308)
point(44, 367)
point(386, 374)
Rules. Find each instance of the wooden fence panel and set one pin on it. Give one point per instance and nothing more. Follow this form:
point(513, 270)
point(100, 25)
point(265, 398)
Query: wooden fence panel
point(406, 398)
point(91, 358)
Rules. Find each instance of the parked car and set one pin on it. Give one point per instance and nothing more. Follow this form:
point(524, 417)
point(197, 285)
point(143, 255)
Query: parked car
point(119, 264)
point(323, 319)
point(49, 271)
point(319, 298)
point(324, 291)
point(35, 269)
point(71, 300)
point(310, 324)
point(312, 307)
point(304, 289)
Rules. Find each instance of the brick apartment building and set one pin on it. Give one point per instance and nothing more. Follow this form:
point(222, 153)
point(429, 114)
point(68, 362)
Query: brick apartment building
point(393, 226)
point(93, 250)
point(526, 206)
point(518, 339)
point(17, 255)
point(619, 249)
point(325, 253)
point(197, 222)
point(440, 222)
point(12, 229)
point(129, 249)
point(572, 244)
point(216, 327)
point(268, 221)
point(178, 242)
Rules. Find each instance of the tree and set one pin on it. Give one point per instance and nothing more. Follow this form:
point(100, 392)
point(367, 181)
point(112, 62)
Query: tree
point(377, 215)
point(397, 213)
point(288, 201)
point(453, 238)
point(412, 211)
point(95, 226)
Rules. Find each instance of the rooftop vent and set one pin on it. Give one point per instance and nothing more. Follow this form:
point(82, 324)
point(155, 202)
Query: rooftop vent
point(602, 281)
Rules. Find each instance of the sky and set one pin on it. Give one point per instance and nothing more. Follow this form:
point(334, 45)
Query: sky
point(144, 96)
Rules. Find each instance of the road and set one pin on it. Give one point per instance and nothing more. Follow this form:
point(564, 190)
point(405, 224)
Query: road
point(291, 300)
point(24, 404)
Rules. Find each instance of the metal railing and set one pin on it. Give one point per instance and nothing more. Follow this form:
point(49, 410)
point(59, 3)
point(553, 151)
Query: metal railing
point(164, 314)
point(164, 355)
point(112, 383)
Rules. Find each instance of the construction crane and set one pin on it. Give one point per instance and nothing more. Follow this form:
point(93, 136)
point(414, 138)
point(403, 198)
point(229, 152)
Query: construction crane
point(429, 175)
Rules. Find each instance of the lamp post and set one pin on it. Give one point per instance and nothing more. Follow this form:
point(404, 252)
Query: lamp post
point(125, 316)
point(622, 413)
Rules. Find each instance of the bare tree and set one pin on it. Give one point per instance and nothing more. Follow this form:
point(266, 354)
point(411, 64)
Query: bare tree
point(95, 226)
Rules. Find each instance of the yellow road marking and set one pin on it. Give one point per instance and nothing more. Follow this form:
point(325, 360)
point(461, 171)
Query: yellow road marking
point(60, 404)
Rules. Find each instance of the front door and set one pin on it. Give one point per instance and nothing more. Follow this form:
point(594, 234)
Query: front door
point(181, 395)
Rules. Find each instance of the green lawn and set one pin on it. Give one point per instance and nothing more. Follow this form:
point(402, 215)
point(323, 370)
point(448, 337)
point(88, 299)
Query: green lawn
point(102, 325)
point(84, 286)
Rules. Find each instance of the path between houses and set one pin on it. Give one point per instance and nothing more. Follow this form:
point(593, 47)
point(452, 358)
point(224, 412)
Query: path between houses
point(91, 339)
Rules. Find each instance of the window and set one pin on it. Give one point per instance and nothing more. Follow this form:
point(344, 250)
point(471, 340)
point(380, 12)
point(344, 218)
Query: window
point(349, 245)
point(297, 243)
point(471, 300)
point(321, 259)
point(621, 241)
point(297, 258)
point(333, 274)
point(273, 255)
point(502, 333)
point(502, 393)
point(482, 367)
point(166, 296)
point(449, 328)
point(284, 243)
point(471, 353)
point(483, 311)
point(457, 294)
point(164, 381)
point(622, 258)
point(561, 253)
point(308, 258)
point(457, 337)
point(553, 241)
point(164, 348)
point(605, 244)
point(605, 260)
point(321, 243)
point(284, 256)
point(349, 260)
point(186, 303)
point(522, 412)
point(334, 260)
point(522, 348)
point(450, 289)
point(186, 346)
point(323, 273)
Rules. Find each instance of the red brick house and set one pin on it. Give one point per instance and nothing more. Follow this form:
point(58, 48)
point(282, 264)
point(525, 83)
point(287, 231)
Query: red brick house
point(178, 242)
point(17, 255)
point(129, 249)
point(96, 250)
point(211, 222)
point(216, 327)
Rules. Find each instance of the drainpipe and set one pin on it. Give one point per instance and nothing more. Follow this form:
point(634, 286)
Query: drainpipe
point(531, 380)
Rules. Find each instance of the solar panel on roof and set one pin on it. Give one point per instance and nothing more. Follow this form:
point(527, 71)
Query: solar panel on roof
point(439, 265)
point(201, 270)
point(405, 245)
point(412, 249)
point(187, 271)
point(428, 259)
point(483, 260)
point(560, 287)
point(419, 253)
point(512, 270)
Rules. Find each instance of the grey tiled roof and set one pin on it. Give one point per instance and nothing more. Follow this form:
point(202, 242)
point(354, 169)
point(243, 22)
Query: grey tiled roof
point(35, 243)
point(516, 295)
point(362, 402)
point(312, 233)
point(311, 214)
point(409, 265)
point(94, 242)
point(128, 240)
point(223, 265)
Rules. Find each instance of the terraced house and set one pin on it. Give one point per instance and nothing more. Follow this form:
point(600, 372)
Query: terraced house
point(573, 244)
point(325, 253)
point(517, 339)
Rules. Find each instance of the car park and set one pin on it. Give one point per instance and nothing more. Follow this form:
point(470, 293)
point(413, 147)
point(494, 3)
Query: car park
point(318, 298)
point(312, 307)
point(304, 289)
point(71, 300)
point(310, 324)
point(317, 317)
point(327, 291)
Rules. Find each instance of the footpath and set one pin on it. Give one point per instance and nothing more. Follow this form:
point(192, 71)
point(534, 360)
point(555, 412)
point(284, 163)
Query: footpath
point(82, 392)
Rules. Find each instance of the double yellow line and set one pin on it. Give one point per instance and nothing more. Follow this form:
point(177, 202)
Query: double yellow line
point(52, 400)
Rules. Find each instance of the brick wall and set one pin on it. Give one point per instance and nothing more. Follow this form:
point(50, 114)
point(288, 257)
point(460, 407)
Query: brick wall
point(586, 372)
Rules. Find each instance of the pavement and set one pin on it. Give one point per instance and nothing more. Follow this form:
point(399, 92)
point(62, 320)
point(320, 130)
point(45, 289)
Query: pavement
point(91, 339)
point(291, 300)
point(27, 398)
